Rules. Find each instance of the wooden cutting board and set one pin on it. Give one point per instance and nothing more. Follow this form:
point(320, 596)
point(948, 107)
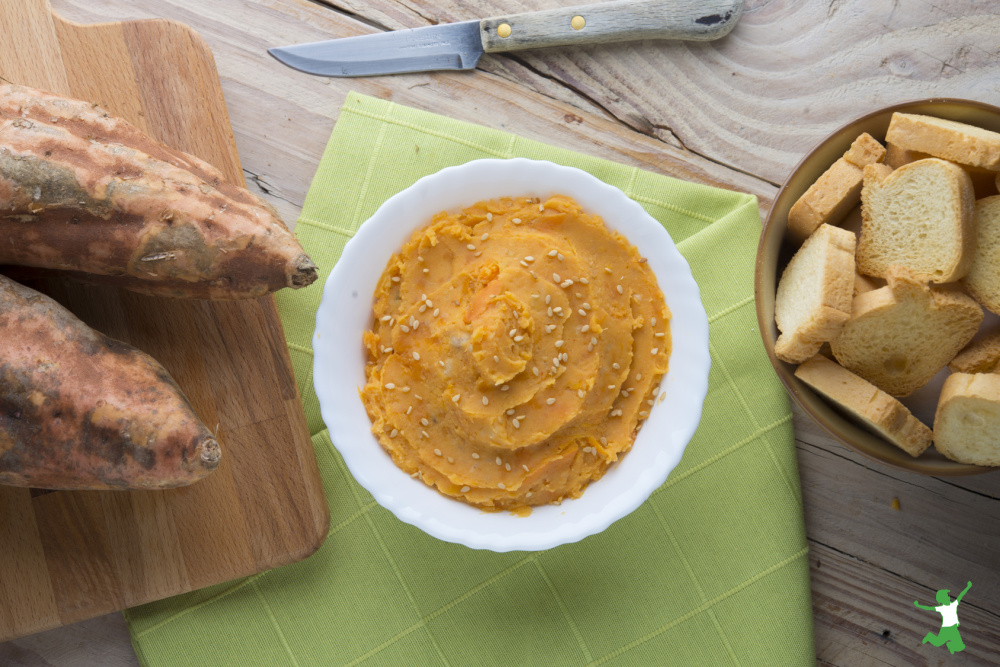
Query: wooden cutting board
point(66, 556)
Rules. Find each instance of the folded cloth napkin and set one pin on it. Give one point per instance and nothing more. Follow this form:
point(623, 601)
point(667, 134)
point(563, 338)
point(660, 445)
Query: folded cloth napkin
point(711, 570)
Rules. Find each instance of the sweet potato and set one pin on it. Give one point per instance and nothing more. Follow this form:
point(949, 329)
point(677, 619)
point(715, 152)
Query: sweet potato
point(79, 410)
point(87, 193)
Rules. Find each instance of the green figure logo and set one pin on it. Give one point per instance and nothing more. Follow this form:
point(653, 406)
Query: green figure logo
point(948, 609)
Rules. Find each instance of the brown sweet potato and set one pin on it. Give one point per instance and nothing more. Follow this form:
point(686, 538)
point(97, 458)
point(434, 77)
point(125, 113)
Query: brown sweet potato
point(84, 192)
point(79, 410)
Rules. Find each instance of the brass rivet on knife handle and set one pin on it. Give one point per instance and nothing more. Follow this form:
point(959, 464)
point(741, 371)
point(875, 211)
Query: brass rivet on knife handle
point(619, 21)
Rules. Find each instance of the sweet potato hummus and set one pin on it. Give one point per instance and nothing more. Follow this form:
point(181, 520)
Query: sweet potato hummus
point(516, 349)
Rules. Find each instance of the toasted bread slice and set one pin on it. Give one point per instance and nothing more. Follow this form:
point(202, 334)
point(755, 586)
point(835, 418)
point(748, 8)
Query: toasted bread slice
point(814, 294)
point(947, 139)
point(979, 356)
point(901, 335)
point(967, 421)
point(983, 278)
point(919, 216)
point(984, 181)
point(876, 409)
point(836, 192)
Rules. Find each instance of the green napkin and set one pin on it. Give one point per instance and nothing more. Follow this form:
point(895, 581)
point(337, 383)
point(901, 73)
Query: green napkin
point(711, 570)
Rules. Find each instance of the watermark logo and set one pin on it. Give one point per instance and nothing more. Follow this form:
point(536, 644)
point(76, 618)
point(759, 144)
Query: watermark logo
point(948, 608)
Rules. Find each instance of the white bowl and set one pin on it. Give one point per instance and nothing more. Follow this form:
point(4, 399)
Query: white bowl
point(345, 312)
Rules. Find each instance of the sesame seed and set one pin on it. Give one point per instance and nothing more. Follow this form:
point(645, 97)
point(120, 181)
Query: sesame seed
point(555, 361)
point(556, 278)
point(593, 340)
point(404, 328)
point(516, 423)
point(652, 321)
point(484, 236)
point(499, 461)
point(423, 307)
point(415, 475)
point(529, 258)
point(604, 441)
point(560, 257)
point(428, 303)
point(516, 221)
point(512, 333)
point(528, 494)
point(464, 489)
point(496, 359)
point(662, 396)
point(507, 466)
point(644, 413)
point(651, 402)
point(586, 306)
point(550, 401)
point(505, 387)
point(550, 311)
point(524, 263)
point(638, 376)
point(424, 433)
point(548, 299)
point(525, 468)
point(424, 422)
point(385, 318)
point(489, 216)
point(486, 401)
point(416, 324)
point(607, 269)
point(501, 485)
point(541, 208)
point(553, 253)
point(395, 279)
point(557, 309)
point(405, 390)
point(511, 411)
point(620, 290)
point(456, 398)
point(478, 253)
point(475, 456)
point(611, 386)
point(582, 312)
point(416, 356)
point(419, 258)
point(655, 350)
point(518, 339)
point(437, 452)
point(585, 328)
point(436, 311)
point(418, 397)
point(624, 393)
point(394, 433)
point(660, 334)
point(578, 295)
point(390, 385)
point(534, 370)
point(564, 356)
point(387, 350)
point(409, 409)
point(566, 283)
point(441, 363)
point(559, 343)
point(427, 270)
point(584, 281)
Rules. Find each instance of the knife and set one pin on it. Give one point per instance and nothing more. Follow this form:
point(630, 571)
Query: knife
point(460, 45)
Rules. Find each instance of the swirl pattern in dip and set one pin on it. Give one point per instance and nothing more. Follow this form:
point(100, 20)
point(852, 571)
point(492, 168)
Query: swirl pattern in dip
point(517, 347)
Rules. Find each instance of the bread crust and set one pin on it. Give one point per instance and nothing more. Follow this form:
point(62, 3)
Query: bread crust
point(983, 279)
point(836, 192)
point(945, 139)
point(876, 409)
point(980, 356)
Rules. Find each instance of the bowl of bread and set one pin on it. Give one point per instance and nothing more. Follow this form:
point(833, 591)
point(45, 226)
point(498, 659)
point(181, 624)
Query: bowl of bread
point(878, 286)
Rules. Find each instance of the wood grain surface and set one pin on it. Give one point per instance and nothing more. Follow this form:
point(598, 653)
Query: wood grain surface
point(738, 113)
point(69, 556)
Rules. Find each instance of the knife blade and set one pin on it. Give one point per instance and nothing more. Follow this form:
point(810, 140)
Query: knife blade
point(455, 46)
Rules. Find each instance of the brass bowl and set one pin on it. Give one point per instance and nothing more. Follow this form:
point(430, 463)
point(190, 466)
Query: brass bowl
point(774, 252)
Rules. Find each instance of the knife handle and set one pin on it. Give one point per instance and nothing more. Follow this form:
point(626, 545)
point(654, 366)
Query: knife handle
point(620, 21)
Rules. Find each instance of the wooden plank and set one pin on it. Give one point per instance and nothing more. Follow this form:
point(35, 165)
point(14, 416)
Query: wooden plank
point(737, 114)
point(101, 551)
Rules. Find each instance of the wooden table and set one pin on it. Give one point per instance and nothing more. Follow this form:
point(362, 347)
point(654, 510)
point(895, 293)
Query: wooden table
point(738, 114)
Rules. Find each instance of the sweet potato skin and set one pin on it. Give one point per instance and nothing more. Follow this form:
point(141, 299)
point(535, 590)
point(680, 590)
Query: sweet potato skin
point(87, 193)
point(79, 410)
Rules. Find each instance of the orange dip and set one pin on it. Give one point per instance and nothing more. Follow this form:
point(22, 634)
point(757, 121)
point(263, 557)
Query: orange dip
point(516, 349)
